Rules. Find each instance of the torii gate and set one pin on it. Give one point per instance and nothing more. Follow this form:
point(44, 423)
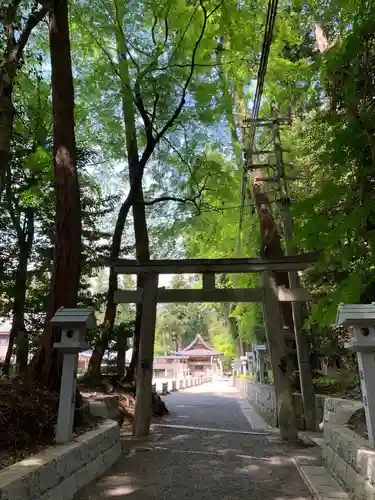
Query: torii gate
point(269, 293)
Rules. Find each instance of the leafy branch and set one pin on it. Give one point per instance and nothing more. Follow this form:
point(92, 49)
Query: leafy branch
point(14, 49)
point(35, 17)
point(196, 200)
point(153, 141)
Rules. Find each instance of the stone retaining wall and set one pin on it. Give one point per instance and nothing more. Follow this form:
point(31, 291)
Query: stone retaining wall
point(348, 457)
point(262, 398)
point(351, 460)
point(58, 472)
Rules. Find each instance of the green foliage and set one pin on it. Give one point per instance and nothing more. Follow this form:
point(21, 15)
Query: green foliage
point(31, 190)
point(193, 178)
point(338, 383)
point(334, 152)
point(179, 323)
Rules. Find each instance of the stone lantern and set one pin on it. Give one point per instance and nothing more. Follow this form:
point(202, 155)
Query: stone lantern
point(74, 323)
point(259, 353)
point(250, 362)
point(360, 319)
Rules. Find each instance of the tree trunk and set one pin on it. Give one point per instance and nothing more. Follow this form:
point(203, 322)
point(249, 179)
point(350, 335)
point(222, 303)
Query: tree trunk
point(18, 323)
point(271, 247)
point(20, 295)
point(9, 353)
point(139, 212)
point(110, 312)
point(7, 74)
point(142, 251)
point(298, 310)
point(93, 370)
point(18, 330)
point(132, 368)
point(67, 252)
point(270, 239)
point(135, 195)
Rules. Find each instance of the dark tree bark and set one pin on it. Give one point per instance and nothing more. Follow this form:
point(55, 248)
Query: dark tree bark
point(18, 324)
point(25, 237)
point(67, 252)
point(142, 251)
point(7, 75)
point(132, 368)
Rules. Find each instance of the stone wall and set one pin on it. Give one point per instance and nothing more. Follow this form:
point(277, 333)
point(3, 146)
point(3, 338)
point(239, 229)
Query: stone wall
point(351, 460)
point(58, 472)
point(262, 398)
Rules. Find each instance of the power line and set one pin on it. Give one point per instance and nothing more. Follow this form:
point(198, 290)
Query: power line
point(267, 40)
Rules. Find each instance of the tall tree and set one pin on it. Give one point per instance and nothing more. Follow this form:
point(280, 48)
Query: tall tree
point(148, 80)
point(67, 252)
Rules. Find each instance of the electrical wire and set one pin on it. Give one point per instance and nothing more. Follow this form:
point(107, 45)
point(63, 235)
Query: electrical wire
point(267, 40)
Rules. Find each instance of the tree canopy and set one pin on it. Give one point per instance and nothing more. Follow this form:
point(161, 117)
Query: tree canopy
point(162, 90)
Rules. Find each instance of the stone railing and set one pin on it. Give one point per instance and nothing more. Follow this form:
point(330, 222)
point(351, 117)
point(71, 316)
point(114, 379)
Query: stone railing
point(164, 387)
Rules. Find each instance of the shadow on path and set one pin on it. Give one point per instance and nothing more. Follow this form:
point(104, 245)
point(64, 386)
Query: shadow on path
point(203, 450)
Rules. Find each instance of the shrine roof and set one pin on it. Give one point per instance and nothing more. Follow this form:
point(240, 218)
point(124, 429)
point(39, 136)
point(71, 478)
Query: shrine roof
point(199, 347)
point(170, 356)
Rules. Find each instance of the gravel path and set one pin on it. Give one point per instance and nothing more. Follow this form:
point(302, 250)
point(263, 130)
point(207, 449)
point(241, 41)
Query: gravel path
point(204, 450)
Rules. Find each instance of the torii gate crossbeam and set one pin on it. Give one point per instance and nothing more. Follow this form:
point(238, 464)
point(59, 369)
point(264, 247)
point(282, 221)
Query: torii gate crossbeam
point(268, 293)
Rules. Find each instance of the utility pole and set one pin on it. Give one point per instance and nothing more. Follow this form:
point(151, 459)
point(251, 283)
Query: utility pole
point(273, 318)
point(304, 364)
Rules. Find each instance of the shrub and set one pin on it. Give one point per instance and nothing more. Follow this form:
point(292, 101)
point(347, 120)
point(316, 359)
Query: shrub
point(339, 383)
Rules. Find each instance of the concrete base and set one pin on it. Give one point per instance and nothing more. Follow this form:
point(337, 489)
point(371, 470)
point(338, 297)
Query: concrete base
point(58, 472)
